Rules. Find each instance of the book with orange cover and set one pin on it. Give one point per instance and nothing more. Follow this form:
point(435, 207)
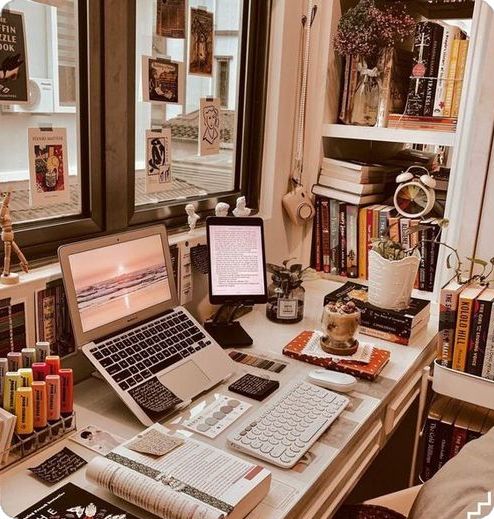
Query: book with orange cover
point(370, 371)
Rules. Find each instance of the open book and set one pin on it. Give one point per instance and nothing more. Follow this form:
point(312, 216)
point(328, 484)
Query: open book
point(192, 480)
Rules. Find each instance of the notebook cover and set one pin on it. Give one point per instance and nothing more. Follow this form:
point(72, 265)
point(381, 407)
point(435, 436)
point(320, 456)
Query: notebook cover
point(368, 371)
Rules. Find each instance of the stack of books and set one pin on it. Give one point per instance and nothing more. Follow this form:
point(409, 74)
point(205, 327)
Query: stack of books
point(343, 234)
point(451, 424)
point(466, 329)
point(398, 326)
point(439, 60)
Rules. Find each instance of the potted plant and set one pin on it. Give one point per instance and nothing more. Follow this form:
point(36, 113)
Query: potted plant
point(286, 295)
point(368, 34)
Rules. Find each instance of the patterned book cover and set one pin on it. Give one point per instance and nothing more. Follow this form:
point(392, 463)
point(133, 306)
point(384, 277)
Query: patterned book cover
point(431, 84)
point(369, 371)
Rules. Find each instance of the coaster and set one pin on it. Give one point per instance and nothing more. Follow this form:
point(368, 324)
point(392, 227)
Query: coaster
point(155, 443)
point(216, 417)
point(59, 466)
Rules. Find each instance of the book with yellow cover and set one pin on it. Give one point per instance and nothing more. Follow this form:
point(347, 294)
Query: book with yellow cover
point(463, 322)
point(448, 99)
point(460, 74)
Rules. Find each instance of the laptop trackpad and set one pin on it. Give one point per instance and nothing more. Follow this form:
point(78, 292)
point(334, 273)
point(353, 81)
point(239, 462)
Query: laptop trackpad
point(186, 381)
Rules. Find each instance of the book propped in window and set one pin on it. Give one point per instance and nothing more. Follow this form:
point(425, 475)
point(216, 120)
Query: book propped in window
point(176, 477)
point(71, 501)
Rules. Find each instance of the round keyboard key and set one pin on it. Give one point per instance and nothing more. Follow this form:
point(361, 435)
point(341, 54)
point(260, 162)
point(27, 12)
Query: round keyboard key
point(203, 427)
point(219, 415)
point(211, 421)
point(226, 409)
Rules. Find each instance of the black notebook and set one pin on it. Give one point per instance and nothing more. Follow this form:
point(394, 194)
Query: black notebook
point(72, 502)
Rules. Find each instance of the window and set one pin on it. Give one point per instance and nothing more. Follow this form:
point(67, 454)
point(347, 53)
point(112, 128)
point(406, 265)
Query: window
point(48, 145)
point(223, 80)
point(84, 62)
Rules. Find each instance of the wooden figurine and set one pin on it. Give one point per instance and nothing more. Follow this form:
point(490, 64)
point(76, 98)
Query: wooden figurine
point(8, 277)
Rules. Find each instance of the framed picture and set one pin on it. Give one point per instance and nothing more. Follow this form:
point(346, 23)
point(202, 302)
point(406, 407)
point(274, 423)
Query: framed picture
point(162, 80)
point(209, 126)
point(201, 42)
point(158, 160)
point(48, 166)
point(14, 74)
point(170, 18)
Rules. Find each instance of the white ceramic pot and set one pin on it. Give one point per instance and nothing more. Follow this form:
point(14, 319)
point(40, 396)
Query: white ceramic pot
point(391, 282)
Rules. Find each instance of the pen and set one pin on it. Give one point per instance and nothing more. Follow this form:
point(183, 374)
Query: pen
point(24, 411)
point(40, 370)
point(28, 356)
point(26, 375)
point(12, 382)
point(42, 351)
point(40, 409)
point(15, 360)
point(53, 362)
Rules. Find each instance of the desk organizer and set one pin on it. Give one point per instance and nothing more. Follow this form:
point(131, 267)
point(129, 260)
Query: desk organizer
point(463, 386)
point(23, 448)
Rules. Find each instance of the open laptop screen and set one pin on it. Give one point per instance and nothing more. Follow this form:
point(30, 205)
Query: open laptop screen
point(118, 280)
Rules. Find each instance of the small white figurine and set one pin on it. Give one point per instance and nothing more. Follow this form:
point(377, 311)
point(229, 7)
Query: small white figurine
point(192, 216)
point(241, 209)
point(221, 209)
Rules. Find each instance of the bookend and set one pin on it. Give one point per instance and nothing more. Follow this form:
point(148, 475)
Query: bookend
point(23, 448)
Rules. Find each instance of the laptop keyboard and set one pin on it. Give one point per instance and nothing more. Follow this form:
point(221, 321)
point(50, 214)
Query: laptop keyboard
point(140, 353)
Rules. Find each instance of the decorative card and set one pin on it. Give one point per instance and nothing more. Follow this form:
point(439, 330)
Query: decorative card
point(14, 72)
point(170, 18)
point(158, 160)
point(97, 440)
point(201, 42)
point(209, 126)
point(48, 166)
point(162, 80)
point(154, 442)
point(59, 466)
point(72, 502)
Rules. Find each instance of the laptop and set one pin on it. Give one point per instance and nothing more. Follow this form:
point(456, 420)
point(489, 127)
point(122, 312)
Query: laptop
point(124, 309)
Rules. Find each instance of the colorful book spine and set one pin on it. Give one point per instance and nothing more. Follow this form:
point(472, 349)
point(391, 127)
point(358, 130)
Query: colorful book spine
point(431, 432)
point(352, 241)
point(462, 333)
point(450, 87)
point(362, 243)
point(432, 246)
point(369, 236)
point(481, 337)
point(342, 244)
point(334, 234)
point(325, 240)
point(460, 74)
point(447, 323)
point(394, 229)
point(488, 364)
point(316, 238)
point(431, 84)
point(421, 64)
point(442, 74)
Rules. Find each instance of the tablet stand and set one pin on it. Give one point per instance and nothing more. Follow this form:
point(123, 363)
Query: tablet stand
point(227, 332)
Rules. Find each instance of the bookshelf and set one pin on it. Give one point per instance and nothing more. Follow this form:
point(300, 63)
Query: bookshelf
point(347, 131)
point(446, 11)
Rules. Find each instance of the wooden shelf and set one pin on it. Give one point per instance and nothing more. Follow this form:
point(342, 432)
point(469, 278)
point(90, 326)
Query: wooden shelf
point(346, 131)
point(451, 11)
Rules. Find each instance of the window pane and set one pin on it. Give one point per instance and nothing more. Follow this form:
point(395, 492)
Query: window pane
point(210, 59)
point(51, 40)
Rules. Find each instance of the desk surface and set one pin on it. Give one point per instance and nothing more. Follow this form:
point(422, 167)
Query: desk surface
point(294, 493)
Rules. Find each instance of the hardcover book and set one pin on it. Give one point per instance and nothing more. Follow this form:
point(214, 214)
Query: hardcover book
point(352, 241)
point(430, 88)
point(334, 234)
point(325, 239)
point(482, 310)
point(342, 243)
point(450, 87)
point(459, 75)
point(69, 502)
point(379, 359)
point(395, 326)
point(450, 295)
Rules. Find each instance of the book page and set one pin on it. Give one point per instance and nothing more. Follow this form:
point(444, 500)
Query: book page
point(147, 493)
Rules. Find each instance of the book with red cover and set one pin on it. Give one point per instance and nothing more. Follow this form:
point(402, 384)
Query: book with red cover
point(368, 371)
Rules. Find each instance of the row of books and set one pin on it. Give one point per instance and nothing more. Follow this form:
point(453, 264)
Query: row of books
point(451, 424)
point(343, 235)
point(466, 329)
point(439, 60)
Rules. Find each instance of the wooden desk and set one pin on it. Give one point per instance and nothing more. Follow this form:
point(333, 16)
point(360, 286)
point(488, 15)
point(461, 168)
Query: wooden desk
point(313, 489)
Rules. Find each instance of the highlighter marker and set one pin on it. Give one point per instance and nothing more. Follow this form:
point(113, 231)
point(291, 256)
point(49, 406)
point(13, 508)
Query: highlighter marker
point(40, 420)
point(53, 397)
point(66, 391)
point(40, 370)
point(12, 382)
point(42, 351)
point(15, 360)
point(24, 411)
point(4, 367)
point(53, 362)
point(28, 357)
point(26, 377)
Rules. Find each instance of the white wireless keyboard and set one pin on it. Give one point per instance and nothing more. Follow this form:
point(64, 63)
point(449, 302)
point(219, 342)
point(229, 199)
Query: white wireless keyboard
point(282, 431)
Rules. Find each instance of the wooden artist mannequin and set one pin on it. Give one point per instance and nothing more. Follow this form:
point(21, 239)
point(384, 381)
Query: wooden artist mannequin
point(7, 277)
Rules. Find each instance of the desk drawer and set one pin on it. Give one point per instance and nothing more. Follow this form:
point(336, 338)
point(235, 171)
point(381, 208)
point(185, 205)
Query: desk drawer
point(401, 403)
point(325, 504)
